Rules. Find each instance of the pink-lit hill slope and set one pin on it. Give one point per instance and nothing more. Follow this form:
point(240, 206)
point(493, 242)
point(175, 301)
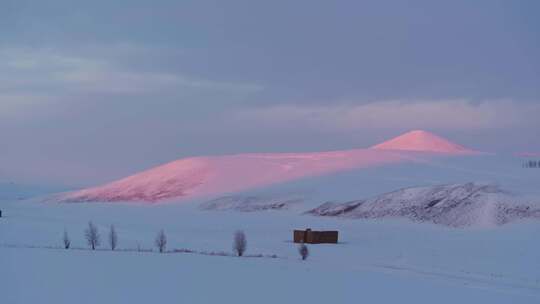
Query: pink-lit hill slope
point(199, 176)
point(419, 140)
point(207, 176)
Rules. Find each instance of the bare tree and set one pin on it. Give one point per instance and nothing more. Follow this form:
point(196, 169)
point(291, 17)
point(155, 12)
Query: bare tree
point(113, 238)
point(66, 240)
point(161, 241)
point(92, 235)
point(303, 250)
point(240, 242)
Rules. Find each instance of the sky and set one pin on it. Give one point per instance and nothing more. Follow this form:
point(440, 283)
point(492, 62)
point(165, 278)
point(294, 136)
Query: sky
point(91, 91)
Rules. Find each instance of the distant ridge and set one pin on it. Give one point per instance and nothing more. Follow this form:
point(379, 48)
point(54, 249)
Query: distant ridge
point(419, 140)
point(527, 154)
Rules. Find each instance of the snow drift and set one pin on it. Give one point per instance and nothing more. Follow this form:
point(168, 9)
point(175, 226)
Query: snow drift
point(456, 205)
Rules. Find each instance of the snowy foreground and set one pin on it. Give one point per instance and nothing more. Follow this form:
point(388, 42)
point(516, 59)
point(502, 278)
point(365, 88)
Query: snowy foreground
point(376, 262)
point(391, 260)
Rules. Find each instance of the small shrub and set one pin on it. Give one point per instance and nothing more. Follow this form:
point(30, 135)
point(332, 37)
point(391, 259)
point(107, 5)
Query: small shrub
point(92, 236)
point(113, 238)
point(303, 251)
point(240, 242)
point(161, 241)
point(66, 240)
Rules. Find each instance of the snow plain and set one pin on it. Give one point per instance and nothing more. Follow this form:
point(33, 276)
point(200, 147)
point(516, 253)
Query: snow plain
point(377, 261)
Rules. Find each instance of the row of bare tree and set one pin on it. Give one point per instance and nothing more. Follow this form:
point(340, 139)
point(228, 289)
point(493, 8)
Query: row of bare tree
point(93, 239)
point(531, 164)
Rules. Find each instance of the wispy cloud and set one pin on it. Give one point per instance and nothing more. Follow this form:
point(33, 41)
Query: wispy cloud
point(30, 75)
point(458, 114)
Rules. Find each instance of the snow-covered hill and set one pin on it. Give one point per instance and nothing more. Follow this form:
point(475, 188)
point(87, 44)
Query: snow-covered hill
point(206, 176)
point(427, 262)
point(456, 205)
point(419, 140)
point(217, 175)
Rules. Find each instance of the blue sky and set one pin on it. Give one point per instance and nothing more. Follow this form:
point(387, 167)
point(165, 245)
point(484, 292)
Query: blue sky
point(93, 90)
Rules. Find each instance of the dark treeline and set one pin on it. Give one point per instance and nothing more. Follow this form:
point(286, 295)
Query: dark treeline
point(531, 164)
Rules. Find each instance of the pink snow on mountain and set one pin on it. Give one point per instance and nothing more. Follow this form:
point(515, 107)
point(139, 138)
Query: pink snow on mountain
point(207, 176)
point(420, 140)
point(200, 176)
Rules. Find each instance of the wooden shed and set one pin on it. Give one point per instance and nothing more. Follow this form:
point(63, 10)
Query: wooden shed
point(309, 236)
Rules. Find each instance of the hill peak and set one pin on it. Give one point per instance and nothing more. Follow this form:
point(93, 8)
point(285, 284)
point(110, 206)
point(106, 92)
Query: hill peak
point(420, 140)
